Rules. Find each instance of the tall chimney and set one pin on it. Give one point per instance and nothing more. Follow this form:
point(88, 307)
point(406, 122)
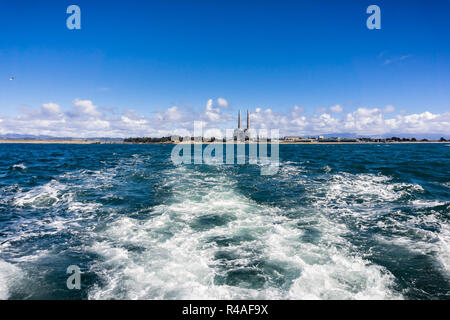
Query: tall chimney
point(248, 120)
point(239, 120)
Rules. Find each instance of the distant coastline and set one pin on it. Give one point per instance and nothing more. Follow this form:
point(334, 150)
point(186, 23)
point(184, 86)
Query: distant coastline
point(85, 142)
point(23, 141)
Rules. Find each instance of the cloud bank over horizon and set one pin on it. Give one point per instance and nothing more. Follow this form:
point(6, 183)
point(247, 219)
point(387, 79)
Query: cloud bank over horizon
point(87, 120)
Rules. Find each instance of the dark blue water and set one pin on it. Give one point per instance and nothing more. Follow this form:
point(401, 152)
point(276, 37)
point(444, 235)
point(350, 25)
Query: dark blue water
point(336, 222)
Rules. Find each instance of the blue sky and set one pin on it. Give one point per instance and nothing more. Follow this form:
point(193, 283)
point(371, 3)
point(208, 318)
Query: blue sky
point(151, 56)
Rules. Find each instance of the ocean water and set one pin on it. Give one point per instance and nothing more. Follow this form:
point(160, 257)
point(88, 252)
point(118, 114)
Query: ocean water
point(336, 222)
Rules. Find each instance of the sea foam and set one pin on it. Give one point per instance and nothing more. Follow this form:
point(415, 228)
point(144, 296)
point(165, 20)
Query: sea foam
point(211, 242)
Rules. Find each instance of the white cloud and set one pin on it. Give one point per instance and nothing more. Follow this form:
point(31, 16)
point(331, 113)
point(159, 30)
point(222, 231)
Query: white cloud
point(132, 122)
point(51, 109)
point(85, 107)
point(223, 103)
point(298, 119)
point(217, 133)
point(365, 121)
point(361, 122)
point(214, 112)
point(267, 119)
point(84, 119)
point(336, 109)
point(172, 114)
point(297, 111)
point(389, 109)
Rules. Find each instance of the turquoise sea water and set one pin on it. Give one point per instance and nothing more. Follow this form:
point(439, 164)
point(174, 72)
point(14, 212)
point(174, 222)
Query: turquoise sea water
point(336, 222)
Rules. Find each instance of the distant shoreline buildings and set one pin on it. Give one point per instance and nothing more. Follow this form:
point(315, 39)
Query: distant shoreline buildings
point(239, 137)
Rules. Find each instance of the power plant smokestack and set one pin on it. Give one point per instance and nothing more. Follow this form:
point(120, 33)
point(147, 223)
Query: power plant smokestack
point(248, 120)
point(239, 120)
